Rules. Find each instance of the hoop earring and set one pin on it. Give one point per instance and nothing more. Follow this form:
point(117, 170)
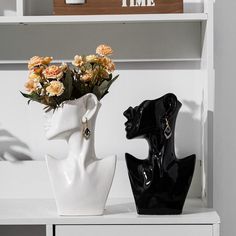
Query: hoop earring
point(86, 130)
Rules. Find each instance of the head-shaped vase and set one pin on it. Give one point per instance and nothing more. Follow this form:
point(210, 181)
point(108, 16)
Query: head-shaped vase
point(160, 182)
point(81, 182)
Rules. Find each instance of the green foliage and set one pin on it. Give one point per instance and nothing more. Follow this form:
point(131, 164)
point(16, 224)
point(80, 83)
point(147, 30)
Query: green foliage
point(51, 85)
point(102, 90)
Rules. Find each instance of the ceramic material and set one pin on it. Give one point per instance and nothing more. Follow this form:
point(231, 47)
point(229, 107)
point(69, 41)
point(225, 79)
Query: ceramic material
point(160, 183)
point(81, 182)
point(75, 1)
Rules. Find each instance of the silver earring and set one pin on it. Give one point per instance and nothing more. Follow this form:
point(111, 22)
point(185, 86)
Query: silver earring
point(86, 130)
point(167, 131)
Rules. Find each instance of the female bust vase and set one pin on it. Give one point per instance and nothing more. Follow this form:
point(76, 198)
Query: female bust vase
point(161, 182)
point(81, 182)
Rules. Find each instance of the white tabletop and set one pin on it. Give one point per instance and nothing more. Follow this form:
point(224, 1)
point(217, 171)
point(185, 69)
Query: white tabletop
point(118, 211)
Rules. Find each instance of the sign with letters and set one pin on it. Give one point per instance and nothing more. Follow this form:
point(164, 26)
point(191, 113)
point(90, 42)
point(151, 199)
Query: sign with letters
point(137, 3)
point(103, 7)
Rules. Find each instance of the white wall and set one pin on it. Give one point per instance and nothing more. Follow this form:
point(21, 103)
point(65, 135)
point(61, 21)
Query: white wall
point(225, 128)
point(22, 135)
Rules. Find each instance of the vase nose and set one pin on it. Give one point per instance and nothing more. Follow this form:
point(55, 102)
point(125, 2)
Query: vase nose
point(129, 113)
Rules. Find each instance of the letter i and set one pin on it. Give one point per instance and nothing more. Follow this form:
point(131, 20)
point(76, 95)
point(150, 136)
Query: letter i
point(124, 3)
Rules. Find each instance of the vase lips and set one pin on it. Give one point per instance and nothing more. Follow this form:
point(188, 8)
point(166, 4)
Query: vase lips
point(129, 114)
point(133, 116)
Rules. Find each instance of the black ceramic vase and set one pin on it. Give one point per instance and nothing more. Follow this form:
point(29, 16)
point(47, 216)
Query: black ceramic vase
point(161, 182)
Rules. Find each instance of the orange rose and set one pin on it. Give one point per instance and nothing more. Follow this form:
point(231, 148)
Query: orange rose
point(91, 58)
point(104, 74)
point(53, 72)
point(78, 61)
point(37, 61)
point(35, 77)
point(107, 63)
point(104, 50)
point(55, 88)
point(64, 67)
point(31, 86)
point(88, 76)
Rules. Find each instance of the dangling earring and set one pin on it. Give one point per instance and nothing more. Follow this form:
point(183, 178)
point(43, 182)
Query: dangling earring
point(86, 130)
point(167, 131)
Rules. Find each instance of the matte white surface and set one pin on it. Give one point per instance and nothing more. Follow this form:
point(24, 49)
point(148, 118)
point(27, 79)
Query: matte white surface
point(137, 230)
point(118, 211)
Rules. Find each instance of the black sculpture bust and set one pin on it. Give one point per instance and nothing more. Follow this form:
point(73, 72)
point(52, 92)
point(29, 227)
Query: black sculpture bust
point(161, 182)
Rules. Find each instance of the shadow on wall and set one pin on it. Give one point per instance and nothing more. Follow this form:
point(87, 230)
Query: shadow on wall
point(188, 130)
point(12, 148)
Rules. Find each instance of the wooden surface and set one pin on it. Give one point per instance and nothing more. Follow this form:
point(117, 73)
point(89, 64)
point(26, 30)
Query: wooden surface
point(118, 211)
point(95, 7)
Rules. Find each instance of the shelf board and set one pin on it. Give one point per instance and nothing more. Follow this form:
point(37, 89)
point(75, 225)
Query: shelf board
point(90, 19)
point(19, 62)
point(118, 211)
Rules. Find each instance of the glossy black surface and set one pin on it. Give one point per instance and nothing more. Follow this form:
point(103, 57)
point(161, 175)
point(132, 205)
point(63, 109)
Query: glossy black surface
point(160, 183)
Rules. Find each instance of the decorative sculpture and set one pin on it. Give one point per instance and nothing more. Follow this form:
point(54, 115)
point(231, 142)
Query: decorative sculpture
point(160, 183)
point(81, 182)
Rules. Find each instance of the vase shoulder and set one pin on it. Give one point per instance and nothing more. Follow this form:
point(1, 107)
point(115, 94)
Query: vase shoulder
point(81, 190)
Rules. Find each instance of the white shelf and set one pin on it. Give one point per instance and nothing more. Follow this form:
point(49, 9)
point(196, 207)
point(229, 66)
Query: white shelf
point(89, 19)
point(118, 211)
point(7, 62)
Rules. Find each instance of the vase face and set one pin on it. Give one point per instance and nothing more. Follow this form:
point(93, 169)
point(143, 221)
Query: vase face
point(60, 122)
point(160, 183)
point(81, 182)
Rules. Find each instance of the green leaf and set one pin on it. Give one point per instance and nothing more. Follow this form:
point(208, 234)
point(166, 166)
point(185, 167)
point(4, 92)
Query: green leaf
point(47, 109)
point(25, 95)
point(102, 90)
point(80, 88)
point(67, 82)
point(32, 96)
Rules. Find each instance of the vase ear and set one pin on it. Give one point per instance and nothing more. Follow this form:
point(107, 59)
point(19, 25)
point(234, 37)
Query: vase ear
point(91, 106)
point(170, 102)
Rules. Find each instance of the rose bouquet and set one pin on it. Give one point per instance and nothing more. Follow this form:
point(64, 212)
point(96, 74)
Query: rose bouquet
point(51, 85)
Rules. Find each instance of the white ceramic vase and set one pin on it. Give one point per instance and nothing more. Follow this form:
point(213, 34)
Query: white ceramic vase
point(81, 182)
point(75, 1)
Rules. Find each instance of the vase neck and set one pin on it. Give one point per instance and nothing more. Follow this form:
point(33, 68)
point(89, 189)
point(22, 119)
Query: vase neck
point(81, 149)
